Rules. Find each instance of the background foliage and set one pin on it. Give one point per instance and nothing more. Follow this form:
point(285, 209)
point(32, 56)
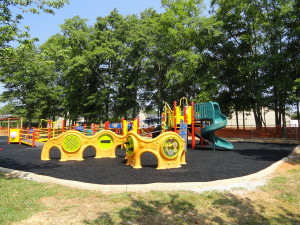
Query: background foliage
point(245, 56)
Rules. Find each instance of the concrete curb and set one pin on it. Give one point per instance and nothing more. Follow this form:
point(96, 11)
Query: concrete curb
point(255, 179)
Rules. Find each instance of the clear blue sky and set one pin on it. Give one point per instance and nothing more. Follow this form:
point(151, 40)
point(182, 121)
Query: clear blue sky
point(44, 25)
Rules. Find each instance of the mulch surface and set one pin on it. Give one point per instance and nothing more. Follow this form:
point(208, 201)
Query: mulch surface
point(203, 164)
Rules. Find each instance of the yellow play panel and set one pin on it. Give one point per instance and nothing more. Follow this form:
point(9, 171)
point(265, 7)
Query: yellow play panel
point(14, 136)
point(72, 144)
point(168, 148)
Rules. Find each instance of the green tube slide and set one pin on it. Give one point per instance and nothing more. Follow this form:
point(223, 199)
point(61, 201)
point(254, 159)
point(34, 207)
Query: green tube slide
point(211, 111)
point(208, 132)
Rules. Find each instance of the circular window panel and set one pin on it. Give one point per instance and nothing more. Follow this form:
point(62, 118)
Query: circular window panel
point(71, 143)
point(170, 147)
point(105, 141)
point(129, 146)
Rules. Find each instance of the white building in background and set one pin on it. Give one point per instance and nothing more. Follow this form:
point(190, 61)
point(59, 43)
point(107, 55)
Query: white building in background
point(268, 115)
point(294, 123)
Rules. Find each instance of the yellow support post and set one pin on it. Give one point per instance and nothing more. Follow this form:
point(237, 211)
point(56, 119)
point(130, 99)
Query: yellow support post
point(189, 115)
point(179, 116)
point(135, 125)
point(125, 127)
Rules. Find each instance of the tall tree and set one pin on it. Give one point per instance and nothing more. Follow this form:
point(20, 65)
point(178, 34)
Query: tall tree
point(243, 40)
point(29, 82)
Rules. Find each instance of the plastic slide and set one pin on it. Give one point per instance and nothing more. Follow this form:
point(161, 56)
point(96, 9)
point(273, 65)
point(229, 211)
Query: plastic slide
point(211, 111)
point(208, 132)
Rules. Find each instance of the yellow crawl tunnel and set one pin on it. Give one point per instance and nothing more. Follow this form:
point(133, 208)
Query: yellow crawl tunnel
point(72, 144)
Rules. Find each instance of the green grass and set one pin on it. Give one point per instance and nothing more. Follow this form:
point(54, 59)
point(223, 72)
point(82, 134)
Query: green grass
point(278, 202)
point(19, 199)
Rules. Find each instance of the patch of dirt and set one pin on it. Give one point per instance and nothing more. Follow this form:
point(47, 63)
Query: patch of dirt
point(69, 211)
point(287, 166)
point(293, 162)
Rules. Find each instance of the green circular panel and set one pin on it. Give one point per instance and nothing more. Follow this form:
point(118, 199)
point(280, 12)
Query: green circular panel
point(170, 147)
point(129, 146)
point(105, 141)
point(71, 143)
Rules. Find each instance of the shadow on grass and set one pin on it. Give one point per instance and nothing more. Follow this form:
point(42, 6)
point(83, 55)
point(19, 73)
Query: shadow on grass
point(173, 211)
point(207, 208)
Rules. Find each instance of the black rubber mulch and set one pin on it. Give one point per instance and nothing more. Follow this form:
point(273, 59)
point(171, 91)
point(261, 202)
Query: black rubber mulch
point(202, 164)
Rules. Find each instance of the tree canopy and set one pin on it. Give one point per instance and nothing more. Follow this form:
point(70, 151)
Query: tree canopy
point(244, 55)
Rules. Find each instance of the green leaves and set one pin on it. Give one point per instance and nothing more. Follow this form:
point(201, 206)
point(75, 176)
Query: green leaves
point(9, 22)
point(246, 55)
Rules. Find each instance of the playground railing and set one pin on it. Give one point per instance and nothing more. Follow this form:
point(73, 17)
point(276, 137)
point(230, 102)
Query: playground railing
point(3, 131)
point(28, 136)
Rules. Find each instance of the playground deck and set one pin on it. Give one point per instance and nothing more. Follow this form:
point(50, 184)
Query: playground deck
point(202, 165)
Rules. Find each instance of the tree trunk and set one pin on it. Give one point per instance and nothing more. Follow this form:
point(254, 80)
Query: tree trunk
point(244, 126)
point(276, 109)
point(298, 113)
point(257, 116)
point(284, 123)
point(237, 119)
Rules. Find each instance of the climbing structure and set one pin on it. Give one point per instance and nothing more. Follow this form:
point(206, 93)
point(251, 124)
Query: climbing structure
point(203, 119)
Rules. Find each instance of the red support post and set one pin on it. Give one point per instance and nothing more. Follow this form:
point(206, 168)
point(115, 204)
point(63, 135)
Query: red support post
point(139, 125)
point(193, 127)
point(84, 129)
point(94, 128)
point(122, 123)
point(33, 138)
point(63, 126)
point(106, 125)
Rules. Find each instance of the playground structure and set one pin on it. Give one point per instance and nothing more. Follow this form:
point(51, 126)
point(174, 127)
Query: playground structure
point(203, 120)
point(168, 148)
point(169, 132)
